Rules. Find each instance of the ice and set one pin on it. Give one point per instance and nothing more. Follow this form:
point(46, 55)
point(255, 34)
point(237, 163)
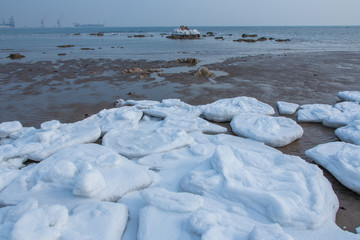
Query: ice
point(140, 142)
point(341, 159)
point(273, 131)
point(84, 167)
point(293, 194)
point(140, 104)
point(350, 133)
point(190, 124)
point(172, 201)
point(172, 107)
point(115, 118)
point(349, 96)
point(50, 125)
point(287, 108)
point(225, 109)
point(269, 232)
point(350, 111)
point(6, 128)
point(315, 112)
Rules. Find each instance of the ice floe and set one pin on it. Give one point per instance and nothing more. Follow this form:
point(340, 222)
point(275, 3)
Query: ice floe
point(341, 159)
point(350, 133)
point(273, 131)
point(349, 96)
point(349, 111)
point(315, 112)
point(225, 109)
point(287, 108)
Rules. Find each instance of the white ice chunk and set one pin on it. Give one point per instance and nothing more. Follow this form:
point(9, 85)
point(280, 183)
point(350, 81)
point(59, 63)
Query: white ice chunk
point(134, 143)
point(350, 111)
point(41, 223)
point(273, 131)
point(172, 201)
point(225, 109)
point(89, 183)
point(115, 118)
point(102, 220)
point(315, 112)
point(172, 107)
point(140, 104)
point(341, 159)
point(293, 193)
point(6, 128)
point(349, 96)
point(50, 125)
point(350, 133)
point(190, 124)
point(287, 108)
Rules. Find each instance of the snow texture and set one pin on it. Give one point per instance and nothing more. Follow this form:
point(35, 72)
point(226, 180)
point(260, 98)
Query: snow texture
point(341, 159)
point(6, 128)
point(273, 131)
point(225, 109)
point(287, 108)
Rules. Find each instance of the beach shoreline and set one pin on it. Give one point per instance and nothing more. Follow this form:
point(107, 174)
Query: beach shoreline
point(70, 90)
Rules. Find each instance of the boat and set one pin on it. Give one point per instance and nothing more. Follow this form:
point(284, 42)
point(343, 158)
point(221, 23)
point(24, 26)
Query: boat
point(88, 25)
point(183, 32)
point(10, 24)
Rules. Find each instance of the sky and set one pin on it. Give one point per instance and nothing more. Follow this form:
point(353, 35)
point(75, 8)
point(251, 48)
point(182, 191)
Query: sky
point(129, 13)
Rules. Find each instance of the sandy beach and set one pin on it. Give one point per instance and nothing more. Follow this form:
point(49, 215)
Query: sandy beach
point(70, 90)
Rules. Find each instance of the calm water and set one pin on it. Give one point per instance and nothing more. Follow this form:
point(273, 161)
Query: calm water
point(41, 44)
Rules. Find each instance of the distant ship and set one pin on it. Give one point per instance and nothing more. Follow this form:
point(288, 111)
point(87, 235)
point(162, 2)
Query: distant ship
point(88, 25)
point(10, 24)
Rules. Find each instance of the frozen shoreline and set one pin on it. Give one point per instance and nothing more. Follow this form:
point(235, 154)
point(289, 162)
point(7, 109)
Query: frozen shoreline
point(251, 76)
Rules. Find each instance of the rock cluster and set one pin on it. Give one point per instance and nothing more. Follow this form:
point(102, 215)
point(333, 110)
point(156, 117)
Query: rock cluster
point(249, 38)
point(137, 70)
point(204, 72)
point(191, 61)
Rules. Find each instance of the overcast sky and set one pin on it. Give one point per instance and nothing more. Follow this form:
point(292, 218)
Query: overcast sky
point(182, 12)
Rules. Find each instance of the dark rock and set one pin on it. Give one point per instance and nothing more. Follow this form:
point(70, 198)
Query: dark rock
point(262, 39)
point(140, 36)
point(249, 35)
point(220, 38)
point(97, 34)
point(283, 40)
point(245, 40)
point(61, 54)
point(15, 56)
point(191, 61)
point(204, 72)
point(184, 37)
point(66, 46)
point(87, 48)
point(271, 38)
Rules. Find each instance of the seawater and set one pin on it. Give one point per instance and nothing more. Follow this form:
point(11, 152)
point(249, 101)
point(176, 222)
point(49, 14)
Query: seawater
point(39, 44)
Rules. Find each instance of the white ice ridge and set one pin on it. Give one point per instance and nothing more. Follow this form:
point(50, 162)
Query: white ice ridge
point(349, 96)
point(76, 174)
point(225, 109)
point(287, 108)
point(273, 131)
point(293, 194)
point(341, 159)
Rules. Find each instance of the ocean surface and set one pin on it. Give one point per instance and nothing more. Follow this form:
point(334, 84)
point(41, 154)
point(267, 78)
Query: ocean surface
point(119, 42)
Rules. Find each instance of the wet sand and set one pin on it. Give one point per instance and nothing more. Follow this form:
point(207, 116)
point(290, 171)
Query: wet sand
point(73, 89)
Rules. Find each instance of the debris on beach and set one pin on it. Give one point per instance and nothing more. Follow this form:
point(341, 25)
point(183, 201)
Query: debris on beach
point(167, 165)
point(204, 72)
point(15, 56)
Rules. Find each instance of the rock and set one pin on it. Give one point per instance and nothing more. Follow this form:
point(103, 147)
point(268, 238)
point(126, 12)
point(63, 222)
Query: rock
point(283, 40)
point(221, 38)
point(192, 36)
point(191, 61)
point(137, 70)
point(97, 34)
point(249, 35)
point(140, 36)
point(87, 48)
point(61, 54)
point(210, 34)
point(15, 56)
point(66, 46)
point(262, 39)
point(204, 72)
point(245, 40)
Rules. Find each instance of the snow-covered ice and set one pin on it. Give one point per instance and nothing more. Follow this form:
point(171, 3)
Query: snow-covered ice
point(181, 182)
point(287, 108)
point(225, 109)
point(349, 111)
point(273, 131)
point(6, 128)
point(350, 133)
point(315, 112)
point(349, 96)
point(341, 159)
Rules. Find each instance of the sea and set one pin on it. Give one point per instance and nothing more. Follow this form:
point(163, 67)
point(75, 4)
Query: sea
point(41, 44)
